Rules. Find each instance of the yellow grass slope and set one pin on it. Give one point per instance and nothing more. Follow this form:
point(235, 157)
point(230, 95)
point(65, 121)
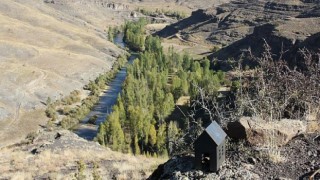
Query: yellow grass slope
point(47, 50)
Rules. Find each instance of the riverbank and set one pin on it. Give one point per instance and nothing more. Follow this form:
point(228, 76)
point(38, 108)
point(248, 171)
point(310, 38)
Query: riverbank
point(102, 109)
point(107, 99)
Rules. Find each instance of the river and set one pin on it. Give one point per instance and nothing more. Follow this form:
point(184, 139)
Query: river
point(106, 101)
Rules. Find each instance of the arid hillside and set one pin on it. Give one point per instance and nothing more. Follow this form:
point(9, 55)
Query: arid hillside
point(239, 25)
point(48, 50)
point(63, 155)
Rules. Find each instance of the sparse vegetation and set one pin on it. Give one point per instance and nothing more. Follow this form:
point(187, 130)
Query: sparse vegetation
point(170, 13)
point(31, 136)
point(73, 114)
point(95, 172)
point(74, 162)
point(274, 90)
point(81, 168)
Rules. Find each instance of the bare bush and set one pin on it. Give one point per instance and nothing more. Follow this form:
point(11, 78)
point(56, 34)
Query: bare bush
point(274, 90)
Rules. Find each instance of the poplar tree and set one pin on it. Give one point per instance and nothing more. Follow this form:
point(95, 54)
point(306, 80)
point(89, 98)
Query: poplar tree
point(152, 135)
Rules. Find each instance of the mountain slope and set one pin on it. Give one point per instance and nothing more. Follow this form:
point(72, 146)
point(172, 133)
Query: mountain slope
point(48, 50)
point(230, 22)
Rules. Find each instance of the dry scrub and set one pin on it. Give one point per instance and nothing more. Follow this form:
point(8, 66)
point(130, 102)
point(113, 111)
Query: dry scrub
point(63, 164)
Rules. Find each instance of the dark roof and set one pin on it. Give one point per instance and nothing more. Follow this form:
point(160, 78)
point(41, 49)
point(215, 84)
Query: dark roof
point(216, 133)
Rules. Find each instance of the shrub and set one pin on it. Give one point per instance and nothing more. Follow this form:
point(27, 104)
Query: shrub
point(275, 90)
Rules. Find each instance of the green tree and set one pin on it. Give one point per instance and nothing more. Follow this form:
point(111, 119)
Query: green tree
point(161, 139)
point(136, 148)
point(152, 135)
point(173, 134)
point(114, 134)
point(101, 134)
point(122, 111)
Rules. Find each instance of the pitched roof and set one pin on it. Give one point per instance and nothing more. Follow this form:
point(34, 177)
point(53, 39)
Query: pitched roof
point(216, 133)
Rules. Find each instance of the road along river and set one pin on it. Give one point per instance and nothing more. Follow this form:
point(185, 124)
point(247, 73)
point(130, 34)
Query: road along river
point(108, 98)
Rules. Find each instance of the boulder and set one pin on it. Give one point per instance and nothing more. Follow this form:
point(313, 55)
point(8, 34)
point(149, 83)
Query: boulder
point(259, 132)
point(313, 123)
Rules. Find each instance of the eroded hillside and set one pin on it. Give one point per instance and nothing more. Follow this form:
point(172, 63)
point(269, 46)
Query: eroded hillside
point(48, 50)
point(232, 22)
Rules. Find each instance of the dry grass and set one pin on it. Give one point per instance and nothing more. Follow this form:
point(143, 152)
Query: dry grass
point(15, 130)
point(183, 100)
point(276, 156)
point(16, 163)
point(313, 126)
point(273, 150)
point(196, 50)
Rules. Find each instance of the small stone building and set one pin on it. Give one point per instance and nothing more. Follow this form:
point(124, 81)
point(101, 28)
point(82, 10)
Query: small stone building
point(211, 143)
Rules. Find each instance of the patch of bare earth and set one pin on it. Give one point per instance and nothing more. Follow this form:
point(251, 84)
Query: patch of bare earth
point(194, 48)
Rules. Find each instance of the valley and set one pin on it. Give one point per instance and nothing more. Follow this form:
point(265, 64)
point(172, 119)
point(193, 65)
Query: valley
point(72, 107)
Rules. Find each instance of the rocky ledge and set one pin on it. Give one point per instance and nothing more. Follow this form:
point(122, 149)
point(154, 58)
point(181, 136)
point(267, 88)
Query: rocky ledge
point(296, 160)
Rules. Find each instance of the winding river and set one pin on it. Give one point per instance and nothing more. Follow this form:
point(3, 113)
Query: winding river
point(106, 101)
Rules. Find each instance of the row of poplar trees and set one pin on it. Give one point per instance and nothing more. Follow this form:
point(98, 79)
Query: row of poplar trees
point(139, 121)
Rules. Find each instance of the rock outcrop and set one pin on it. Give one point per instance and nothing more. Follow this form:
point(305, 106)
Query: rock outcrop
point(262, 133)
point(181, 167)
point(299, 157)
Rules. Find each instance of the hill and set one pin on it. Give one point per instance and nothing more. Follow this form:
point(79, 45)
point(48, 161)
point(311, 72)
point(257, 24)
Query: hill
point(238, 25)
point(61, 154)
point(48, 50)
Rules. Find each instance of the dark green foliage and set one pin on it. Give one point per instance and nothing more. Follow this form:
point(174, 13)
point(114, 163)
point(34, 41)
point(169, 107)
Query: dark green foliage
point(114, 135)
point(134, 34)
point(101, 134)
